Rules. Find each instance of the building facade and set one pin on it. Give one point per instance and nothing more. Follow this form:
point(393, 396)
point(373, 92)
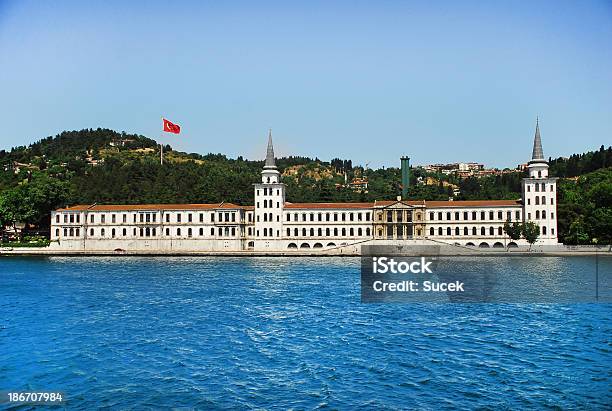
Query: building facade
point(273, 224)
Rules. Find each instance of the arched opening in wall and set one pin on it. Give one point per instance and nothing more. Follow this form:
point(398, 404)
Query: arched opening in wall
point(305, 245)
point(512, 244)
point(498, 245)
point(331, 244)
point(292, 246)
point(483, 245)
point(343, 244)
point(317, 245)
point(456, 244)
point(470, 244)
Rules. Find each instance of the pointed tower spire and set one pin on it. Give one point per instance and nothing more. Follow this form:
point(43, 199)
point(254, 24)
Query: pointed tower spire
point(538, 153)
point(270, 162)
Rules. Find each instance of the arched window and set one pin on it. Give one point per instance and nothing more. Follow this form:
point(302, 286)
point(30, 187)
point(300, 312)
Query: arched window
point(343, 232)
point(335, 232)
point(537, 214)
point(189, 232)
point(431, 231)
point(543, 230)
point(327, 232)
point(367, 232)
point(352, 232)
point(72, 232)
point(491, 231)
point(537, 200)
point(201, 232)
point(91, 232)
point(178, 232)
point(288, 232)
point(102, 232)
point(539, 174)
point(57, 231)
point(500, 231)
point(359, 232)
point(456, 230)
point(312, 231)
point(65, 232)
point(113, 233)
point(448, 230)
point(439, 230)
point(543, 214)
point(474, 231)
point(465, 231)
point(320, 231)
point(295, 232)
point(124, 232)
point(265, 217)
point(265, 232)
point(482, 231)
point(212, 231)
point(303, 232)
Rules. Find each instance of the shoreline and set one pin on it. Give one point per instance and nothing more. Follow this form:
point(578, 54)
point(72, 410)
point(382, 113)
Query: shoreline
point(29, 252)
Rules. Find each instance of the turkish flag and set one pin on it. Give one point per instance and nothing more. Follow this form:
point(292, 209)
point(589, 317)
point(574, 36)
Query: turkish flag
point(170, 127)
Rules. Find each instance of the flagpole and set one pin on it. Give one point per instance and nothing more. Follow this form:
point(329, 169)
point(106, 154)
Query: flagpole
point(161, 148)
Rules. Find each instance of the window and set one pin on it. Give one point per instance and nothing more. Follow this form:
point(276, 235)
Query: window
point(537, 187)
point(359, 232)
point(431, 230)
point(91, 232)
point(456, 230)
point(351, 217)
point(448, 216)
point(319, 217)
point(465, 215)
point(552, 201)
point(311, 216)
point(189, 231)
point(65, 232)
point(491, 215)
point(102, 232)
point(482, 231)
point(335, 232)
point(500, 231)
point(113, 232)
point(335, 217)
point(537, 214)
point(327, 232)
point(457, 215)
point(431, 215)
point(465, 231)
point(303, 232)
point(543, 214)
point(473, 215)
point(543, 200)
point(440, 231)
point(212, 230)
point(320, 232)
point(448, 231)
point(71, 232)
point(529, 201)
point(439, 216)
point(528, 188)
point(57, 218)
point(491, 231)
point(543, 230)
point(124, 232)
point(367, 232)
point(537, 200)
point(295, 232)
point(343, 232)
point(482, 215)
point(113, 218)
point(352, 232)
point(91, 218)
point(343, 216)
point(552, 216)
point(65, 218)
point(509, 215)
point(178, 232)
point(57, 231)
point(367, 218)
point(125, 218)
point(500, 215)
point(474, 231)
point(178, 218)
point(312, 232)
point(190, 217)
point(103, 218)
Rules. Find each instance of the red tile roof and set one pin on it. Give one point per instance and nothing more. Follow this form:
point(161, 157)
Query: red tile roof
point(327, 205)
point(148, 207)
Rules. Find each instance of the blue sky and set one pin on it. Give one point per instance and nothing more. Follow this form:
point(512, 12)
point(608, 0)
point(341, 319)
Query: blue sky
point(437, 81)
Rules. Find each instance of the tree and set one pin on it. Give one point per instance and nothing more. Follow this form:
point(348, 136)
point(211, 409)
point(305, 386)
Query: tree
point(513, 230)
point(531, 232)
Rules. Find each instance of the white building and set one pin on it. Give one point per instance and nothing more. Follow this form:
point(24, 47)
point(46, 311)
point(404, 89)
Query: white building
point(274, 225)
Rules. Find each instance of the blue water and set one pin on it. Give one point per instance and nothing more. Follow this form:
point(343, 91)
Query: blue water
point(231, 333)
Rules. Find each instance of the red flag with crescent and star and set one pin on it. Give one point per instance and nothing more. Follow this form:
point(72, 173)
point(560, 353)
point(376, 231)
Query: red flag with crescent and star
point(170, 127)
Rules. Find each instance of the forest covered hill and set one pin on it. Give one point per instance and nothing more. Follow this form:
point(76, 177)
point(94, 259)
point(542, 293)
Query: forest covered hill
point(104, 166)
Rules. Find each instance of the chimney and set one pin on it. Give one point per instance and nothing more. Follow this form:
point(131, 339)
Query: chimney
point(405, 161)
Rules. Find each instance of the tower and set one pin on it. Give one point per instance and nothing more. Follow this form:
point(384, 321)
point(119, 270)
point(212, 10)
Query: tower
point(540, 193)
point(269, 203)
